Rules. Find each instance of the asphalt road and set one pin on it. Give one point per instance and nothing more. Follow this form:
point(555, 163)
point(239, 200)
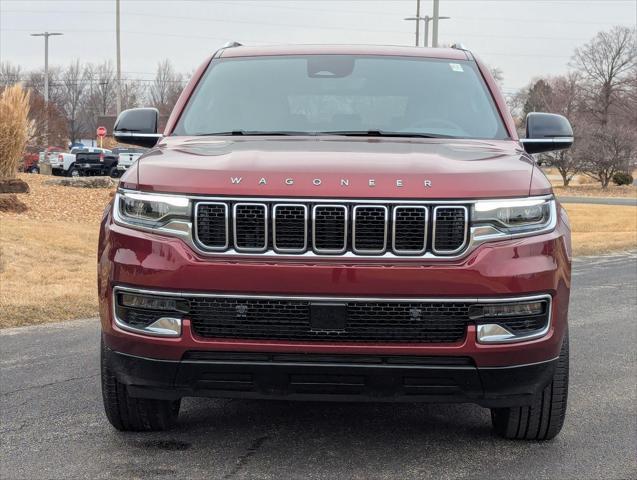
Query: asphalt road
point(52, 425)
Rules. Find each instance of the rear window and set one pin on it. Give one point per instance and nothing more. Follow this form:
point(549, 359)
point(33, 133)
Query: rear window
point(326, 93)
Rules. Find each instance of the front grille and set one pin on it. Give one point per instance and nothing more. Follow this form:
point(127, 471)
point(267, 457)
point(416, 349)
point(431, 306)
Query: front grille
point(357, 228)
point(290, 319)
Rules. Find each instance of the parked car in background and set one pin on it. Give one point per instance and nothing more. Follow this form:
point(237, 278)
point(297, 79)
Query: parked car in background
point(30, 162)
point(65, 163)
point(91, 163)
point(126, 157)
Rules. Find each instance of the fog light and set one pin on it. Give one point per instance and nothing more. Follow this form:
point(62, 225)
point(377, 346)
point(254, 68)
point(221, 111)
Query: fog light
point(507, 310)
point(147, 302)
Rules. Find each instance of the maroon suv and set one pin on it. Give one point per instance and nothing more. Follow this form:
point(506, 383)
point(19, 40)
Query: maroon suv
point(338, 223)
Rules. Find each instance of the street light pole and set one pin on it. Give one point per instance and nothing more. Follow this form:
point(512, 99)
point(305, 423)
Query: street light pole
point(425, 19)
point(118, 61)
point(46, 36)
point(417, 22)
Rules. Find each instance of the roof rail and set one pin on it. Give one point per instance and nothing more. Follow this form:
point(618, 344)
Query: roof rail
point(460, 46)
point(232, 44)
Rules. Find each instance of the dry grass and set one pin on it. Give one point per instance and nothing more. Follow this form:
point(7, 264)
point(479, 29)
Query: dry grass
point(588, 190)
point(15, 128)
point(602, 228)
point(48, 254)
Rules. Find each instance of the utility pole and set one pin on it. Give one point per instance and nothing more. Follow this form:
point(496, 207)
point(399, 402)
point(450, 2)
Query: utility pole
point(417, 21)
point(46, 36)
point(425, 19)
point(434, 33)
point(118, 61)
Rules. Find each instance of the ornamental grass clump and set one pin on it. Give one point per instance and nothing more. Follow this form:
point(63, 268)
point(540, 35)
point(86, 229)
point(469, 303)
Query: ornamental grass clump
point(15, 128)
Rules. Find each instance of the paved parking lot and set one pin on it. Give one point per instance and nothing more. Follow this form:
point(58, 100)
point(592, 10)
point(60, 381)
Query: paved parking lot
point(52, 425)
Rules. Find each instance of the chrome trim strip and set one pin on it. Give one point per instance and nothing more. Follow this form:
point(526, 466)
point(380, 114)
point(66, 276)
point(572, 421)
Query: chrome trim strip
point(426, 225)
point(329, 251)
point(548, 140)
point(124, 326)
point(119, 133)
point(513, 337)
point(305, 216)
point(364, 251)
point(342, 201)
point(433, 233)
point(479, 300)
point(227, 226)
point(265, 227)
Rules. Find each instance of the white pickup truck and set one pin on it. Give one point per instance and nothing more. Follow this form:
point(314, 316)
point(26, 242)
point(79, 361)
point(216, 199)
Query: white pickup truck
point(127, 156)
point(64, 163)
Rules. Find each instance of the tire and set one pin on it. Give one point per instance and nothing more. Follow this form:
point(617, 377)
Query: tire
point(129, 414)
point(73, 172)
point(543, 419)
point(113, 173)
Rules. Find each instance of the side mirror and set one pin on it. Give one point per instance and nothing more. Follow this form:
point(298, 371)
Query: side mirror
point(138, 126)
point(546, 132)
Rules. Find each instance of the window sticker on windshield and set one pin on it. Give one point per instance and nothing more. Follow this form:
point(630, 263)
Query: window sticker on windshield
point(456, 67)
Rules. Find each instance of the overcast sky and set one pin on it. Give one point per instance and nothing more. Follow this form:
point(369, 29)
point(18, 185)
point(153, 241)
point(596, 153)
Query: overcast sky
point(523, 38)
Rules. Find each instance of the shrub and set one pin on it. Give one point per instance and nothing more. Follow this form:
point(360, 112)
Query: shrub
point(622, 178)
point(15, 128)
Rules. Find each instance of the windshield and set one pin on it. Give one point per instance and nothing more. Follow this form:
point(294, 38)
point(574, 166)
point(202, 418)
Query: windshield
point(342, 94)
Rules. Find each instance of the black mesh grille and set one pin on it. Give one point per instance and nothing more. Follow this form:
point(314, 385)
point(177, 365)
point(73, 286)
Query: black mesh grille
point(365, 322)
point(522, 324)
point(410, 224)
point(211, 225)
point(250, 226)
point(290, 227)
point(370, 226)
point(329, 228)
point(450, 229)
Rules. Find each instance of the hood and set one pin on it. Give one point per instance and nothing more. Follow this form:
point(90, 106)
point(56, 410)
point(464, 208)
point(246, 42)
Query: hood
point(341, 167)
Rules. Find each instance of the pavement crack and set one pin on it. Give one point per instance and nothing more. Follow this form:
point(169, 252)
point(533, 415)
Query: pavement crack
point(242, 460)
point(66, 380)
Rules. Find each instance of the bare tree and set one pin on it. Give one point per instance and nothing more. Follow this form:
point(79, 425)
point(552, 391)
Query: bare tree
point(166, 88)
point(49, 123)
point(607, 63)
point(133, 93)
point(100, 97)
point(9, 74)
point(564, 95)
point(74, 85)
point(608, 149)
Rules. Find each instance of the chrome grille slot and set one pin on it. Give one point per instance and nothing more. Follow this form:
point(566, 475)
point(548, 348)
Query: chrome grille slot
point(212, 225)
point(410, 229)
point(289, 228)
point(250, 227)
point(329, 229)
point(450, 229)
point(322, 227)
point(369, 229)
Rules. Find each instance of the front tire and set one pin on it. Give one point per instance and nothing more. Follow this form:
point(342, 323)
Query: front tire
point(130, 414)
point(74, 172)
point(543, 419)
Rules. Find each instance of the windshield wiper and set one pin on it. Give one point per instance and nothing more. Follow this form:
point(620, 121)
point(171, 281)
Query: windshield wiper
point(382, 133)
point(254, 133)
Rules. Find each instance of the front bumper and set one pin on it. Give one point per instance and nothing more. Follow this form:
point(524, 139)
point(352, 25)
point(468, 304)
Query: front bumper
point(514, 268)
point(329, 378)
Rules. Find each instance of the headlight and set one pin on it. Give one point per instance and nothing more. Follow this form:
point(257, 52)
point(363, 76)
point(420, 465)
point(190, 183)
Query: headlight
point(516, 216)
point(151, 211)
